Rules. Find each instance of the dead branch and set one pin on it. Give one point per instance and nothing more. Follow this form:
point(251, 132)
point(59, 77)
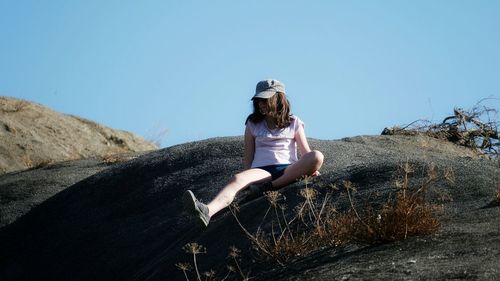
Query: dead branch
point(476, 129)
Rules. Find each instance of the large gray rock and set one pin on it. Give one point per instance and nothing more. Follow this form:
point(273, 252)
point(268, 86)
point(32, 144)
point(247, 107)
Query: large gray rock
point(23, 190)
point(126, 222)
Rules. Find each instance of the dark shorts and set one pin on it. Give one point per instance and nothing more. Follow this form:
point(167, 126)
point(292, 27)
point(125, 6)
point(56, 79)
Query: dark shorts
point(276, 171)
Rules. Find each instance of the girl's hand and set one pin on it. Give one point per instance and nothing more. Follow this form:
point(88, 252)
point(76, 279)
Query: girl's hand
point(315, 174)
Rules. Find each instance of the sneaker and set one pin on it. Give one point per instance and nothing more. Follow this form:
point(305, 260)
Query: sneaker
point(195, 207)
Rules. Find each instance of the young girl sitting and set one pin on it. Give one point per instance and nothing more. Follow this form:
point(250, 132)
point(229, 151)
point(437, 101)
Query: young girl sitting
point(272, 136)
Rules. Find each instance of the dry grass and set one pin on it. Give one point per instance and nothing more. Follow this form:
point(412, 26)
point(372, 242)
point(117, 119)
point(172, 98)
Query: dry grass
point(317, 223)
point(114, 158)
point(449, 175)
point(74, 154)
point(10, 129)
point(233, 266)
point(476, 129)
point(408, 214)
point(35, 164)
point(157, 134)
point(13, 107)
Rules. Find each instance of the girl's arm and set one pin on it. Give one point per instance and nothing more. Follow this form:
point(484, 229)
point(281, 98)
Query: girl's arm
point(303, 145)
point(300, 138)
point(249, 149)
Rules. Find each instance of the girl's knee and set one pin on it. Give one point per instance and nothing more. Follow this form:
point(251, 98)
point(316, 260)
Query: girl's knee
point(317, 157)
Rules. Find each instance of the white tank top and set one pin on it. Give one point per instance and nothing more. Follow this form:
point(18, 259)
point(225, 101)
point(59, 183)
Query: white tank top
point(274, 146)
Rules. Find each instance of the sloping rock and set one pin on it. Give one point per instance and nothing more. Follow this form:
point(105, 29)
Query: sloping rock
point(32, 135)
point(21, 191)
point(126, 223)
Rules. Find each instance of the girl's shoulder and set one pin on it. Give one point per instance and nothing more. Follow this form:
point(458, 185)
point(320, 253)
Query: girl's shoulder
point(295, 120)
point(254, 126)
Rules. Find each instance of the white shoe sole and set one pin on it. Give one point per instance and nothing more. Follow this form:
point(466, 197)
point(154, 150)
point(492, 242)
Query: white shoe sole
point(189, 201)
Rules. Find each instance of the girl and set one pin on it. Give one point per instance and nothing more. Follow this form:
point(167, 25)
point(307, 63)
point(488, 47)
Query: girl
point(272, 136)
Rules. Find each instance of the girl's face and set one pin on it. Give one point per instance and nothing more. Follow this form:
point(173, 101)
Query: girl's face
point(263, 107)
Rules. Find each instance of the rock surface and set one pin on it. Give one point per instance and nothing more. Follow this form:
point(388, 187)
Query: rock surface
point(126, 222)
point(32, 135)
point(21, 191)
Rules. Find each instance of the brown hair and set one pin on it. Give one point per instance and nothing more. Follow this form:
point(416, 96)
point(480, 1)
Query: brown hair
point(279, 110)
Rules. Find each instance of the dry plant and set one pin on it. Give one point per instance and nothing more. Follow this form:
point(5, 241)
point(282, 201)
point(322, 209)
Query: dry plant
point(316, 222)
point(195, 249)
point(184, 267)
point(407, 213)
point(114, 158)
point(35, 164)
point(16, 106)
point(234, 255)
point(74, 154)
point(476, 129)
point(157, 134)
point(290, 236)
point(10, 129)
point(449, 175)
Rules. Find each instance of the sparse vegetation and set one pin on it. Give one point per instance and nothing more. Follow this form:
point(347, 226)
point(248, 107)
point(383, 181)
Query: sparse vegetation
point(408, 213)
point(335, 219)
point(184, 267)
point(114, 158)
point(32, 128)
point(17, 106)
point(195, 249)
point(9, 129)
point(476, 129)
point(74, 153)
point(233, 267)
point(35, 164)
point(317, 222)
point(157, 135)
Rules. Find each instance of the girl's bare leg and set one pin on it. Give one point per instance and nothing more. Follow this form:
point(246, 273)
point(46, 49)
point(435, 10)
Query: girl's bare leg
point(237, 183)
point(307, 165)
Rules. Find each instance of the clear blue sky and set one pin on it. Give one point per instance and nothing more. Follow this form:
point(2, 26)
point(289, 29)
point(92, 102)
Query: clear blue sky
point(350, 67)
